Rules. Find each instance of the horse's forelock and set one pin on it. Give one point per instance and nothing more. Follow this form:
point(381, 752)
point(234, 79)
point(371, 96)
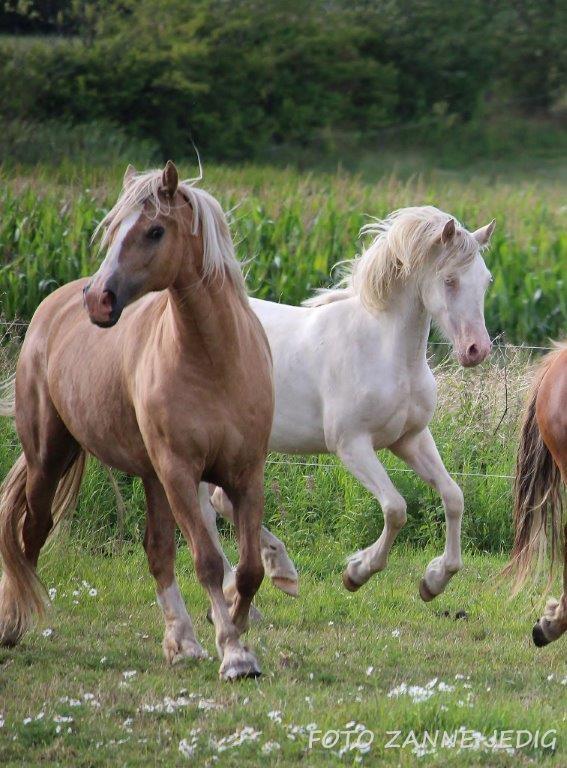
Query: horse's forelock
point(218, 250)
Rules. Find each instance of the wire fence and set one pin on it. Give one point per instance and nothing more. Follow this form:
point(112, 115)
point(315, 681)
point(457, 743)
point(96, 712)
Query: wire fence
point(499, 345)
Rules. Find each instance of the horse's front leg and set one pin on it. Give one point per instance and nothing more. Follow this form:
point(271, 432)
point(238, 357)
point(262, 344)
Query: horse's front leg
point(420, 453)
point(553, 623)
point(357, 454)
point(277, 563)
point(229, 581)
point(248, 510)
point(180, 482)
point(179, 640)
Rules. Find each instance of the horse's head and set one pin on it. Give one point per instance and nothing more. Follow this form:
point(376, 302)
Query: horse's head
point(144, 247)
point(453, 289)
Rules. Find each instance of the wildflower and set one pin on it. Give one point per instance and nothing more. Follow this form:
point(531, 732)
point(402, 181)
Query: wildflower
point(62, 719)
point(270, 746)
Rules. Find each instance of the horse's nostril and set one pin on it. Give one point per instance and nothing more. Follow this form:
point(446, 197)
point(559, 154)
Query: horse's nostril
point(108, 300)
point(472, 351)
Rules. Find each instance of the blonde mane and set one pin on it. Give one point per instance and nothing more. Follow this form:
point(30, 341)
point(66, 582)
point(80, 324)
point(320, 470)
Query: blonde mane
point(402, 245)
point(219, 258)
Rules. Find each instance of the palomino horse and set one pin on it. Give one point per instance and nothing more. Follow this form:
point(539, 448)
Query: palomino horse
point(541, 468)
point(352, 375)
point(179, 390)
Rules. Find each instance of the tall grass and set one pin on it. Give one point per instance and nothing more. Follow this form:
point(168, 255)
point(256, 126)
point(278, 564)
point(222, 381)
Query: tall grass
point(314, 499)
point(291, 229)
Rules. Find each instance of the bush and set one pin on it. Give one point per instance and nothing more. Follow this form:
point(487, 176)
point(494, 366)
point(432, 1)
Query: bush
point(240, 76)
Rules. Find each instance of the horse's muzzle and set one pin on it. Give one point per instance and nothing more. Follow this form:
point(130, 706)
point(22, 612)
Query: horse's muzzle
point(102, 306)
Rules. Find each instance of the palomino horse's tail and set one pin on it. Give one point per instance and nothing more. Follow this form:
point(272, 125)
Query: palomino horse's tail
point(8, 396)
point(22, 596)
point(537, 492)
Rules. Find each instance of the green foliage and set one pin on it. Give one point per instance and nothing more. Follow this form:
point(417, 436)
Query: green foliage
point(239, 77)
point(72, 149)
point(291, 229)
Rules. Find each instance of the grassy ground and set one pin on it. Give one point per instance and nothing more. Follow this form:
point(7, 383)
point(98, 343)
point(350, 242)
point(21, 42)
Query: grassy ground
point(91, 688)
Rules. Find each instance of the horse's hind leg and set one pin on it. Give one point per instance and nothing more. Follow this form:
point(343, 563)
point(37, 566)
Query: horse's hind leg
point(553, 623)
point(27, 499)
point(179, 641)
point(420, 453)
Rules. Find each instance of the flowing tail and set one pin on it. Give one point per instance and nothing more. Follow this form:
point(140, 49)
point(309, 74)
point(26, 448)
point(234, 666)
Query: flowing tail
point(22, 596)
point(537, 493)
point(8, 397)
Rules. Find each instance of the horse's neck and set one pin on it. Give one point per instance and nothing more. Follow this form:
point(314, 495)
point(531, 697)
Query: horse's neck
point(204, 316)
point(405, 324)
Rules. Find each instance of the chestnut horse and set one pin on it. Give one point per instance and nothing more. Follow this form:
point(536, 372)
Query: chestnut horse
point(177, 391)
point(541, 469)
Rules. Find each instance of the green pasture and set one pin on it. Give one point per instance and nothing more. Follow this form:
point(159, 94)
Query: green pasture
point(90, 687)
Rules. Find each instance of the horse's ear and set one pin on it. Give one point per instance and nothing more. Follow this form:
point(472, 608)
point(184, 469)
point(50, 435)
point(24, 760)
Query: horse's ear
point(484, 234)
point(170, 179)
point(129, 174)
point(448, 231)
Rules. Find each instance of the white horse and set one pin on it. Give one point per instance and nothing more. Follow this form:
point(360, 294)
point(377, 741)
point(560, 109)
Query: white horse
point(351, 376)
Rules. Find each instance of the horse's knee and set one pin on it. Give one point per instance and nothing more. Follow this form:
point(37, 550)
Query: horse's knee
point(249, 577)
point(454, 501)
point(395, 512)
point(209, 567)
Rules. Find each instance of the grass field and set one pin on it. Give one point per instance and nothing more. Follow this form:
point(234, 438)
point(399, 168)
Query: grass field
point(91, 688)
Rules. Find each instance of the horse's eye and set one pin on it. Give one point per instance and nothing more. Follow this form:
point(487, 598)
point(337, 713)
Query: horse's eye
point(155, 233)
point(450, 282)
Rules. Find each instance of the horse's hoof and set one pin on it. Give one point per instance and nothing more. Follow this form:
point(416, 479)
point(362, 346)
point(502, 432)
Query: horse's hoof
point(178, 651)
point(239, 665)
point(349, 583)
point(425, 593)
point(538, 636)
point(289, 586)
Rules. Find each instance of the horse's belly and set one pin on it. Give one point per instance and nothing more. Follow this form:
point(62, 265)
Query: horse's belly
point(298, 423)
point(294, 436)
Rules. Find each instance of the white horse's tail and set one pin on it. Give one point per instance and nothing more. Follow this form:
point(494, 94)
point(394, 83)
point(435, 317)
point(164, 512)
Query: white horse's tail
point(8, 397)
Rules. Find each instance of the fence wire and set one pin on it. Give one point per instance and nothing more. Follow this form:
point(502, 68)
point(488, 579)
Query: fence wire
point(498, 345)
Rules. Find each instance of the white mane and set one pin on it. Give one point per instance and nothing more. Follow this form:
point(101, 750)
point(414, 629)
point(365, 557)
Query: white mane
point(402, 245)
point(218, 250)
